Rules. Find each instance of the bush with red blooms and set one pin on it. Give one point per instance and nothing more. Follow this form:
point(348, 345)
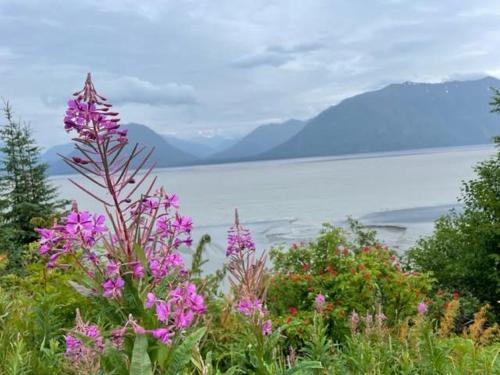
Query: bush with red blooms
point(348, 276)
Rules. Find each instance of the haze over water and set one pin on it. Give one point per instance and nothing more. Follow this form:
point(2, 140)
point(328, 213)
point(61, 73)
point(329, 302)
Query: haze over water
point(399, 193)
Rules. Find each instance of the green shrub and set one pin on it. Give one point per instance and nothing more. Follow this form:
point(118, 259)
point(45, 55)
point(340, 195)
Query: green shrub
point(463, 253)
point(351, 278)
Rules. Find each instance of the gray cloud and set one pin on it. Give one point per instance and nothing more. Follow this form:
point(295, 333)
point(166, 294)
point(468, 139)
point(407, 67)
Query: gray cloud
point(188, 66)
point(276, 55)
point(127, 89)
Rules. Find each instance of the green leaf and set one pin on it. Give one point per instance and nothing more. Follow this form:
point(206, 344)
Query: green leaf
point(141, 363)
point(181, 354)
point(139, 252)
point(304, 365)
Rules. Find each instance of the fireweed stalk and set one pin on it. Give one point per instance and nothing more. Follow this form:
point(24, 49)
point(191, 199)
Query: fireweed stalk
point(247, 277)
point(132, 261)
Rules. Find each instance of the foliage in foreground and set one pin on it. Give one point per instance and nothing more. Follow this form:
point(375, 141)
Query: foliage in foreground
point(463, 253)
point(27, 199)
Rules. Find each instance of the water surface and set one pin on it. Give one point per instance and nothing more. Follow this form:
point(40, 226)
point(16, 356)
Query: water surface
point(399, 194)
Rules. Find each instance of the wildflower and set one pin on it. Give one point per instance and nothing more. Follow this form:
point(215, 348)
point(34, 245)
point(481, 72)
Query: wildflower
point(319, 302)
point(137, 270)
point(239, 239)
point(183, 317)
point(112, 269)
point(293, 310)
point(182, 224)
point(150, 300)
point(171, 201)
point(84, 353)
point(163, 334)
point(248, 306)
point(146, 223)
point(422, 308)
point(117, 337)
point(78, 222)
point(267, 327)
point(162, 311)
point(354, 321)
point(113, 288)
point(368, 320)
point(47, 240)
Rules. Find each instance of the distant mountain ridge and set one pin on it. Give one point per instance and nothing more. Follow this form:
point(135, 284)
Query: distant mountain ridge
point(261, 139)
point(399, 117)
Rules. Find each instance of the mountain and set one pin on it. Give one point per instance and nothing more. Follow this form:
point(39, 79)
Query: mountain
point(165, 155)
point(399, 117)
point(51, 155)
point(260, 140)
point(197, 149)
point(217, 142)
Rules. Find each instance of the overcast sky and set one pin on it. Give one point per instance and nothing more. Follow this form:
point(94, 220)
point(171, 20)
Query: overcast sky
point(213, 66)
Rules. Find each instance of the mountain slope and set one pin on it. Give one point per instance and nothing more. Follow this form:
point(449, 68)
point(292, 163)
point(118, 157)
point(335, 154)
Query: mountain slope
point(165, 155)
point(399, 117)
point(260, 140)
point(199, 150)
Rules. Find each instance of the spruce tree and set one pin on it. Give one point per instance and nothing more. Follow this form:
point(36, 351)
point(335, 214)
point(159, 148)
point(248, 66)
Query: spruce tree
point(25, 193)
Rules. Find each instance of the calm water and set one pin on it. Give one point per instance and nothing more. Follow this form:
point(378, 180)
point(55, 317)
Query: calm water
point(399, 194)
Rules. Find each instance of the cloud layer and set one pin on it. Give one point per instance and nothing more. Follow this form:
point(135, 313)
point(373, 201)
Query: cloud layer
point(190, 66)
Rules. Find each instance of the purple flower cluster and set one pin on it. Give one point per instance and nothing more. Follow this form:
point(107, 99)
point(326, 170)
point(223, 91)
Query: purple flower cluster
point(253, 308)
point(247, 277)
point(249, 306)
point(80, 230)
point(177, 312)
point(84, 354)
point(138, 248)
point(319, 302)
point(89, 115)
point(239, 239)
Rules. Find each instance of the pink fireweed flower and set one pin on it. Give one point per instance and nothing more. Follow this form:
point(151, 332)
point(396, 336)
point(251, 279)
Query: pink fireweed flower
point(117, 337)
point(354, 321)
point(137, 270)
point(171, 201)
point(380, 319)
point(368, 320)
point(112, 269)
point(150, 204)
point(113, 288)
point(150, 300)
point(84, 352)
point(162, 311)
point(319, 302)
point(239, 239)
point(183, 317)
point(182, 224)
point(163, 334)
point(48, 239)
point(151, 223)
point(422, 308)
point(79, 222)
point(267, 327)
point(249, 306)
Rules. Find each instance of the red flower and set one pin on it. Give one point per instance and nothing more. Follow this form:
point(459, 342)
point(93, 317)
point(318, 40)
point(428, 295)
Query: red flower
point(289, 319)
point(293, 310)
point(455, 295)
point(306, 267)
